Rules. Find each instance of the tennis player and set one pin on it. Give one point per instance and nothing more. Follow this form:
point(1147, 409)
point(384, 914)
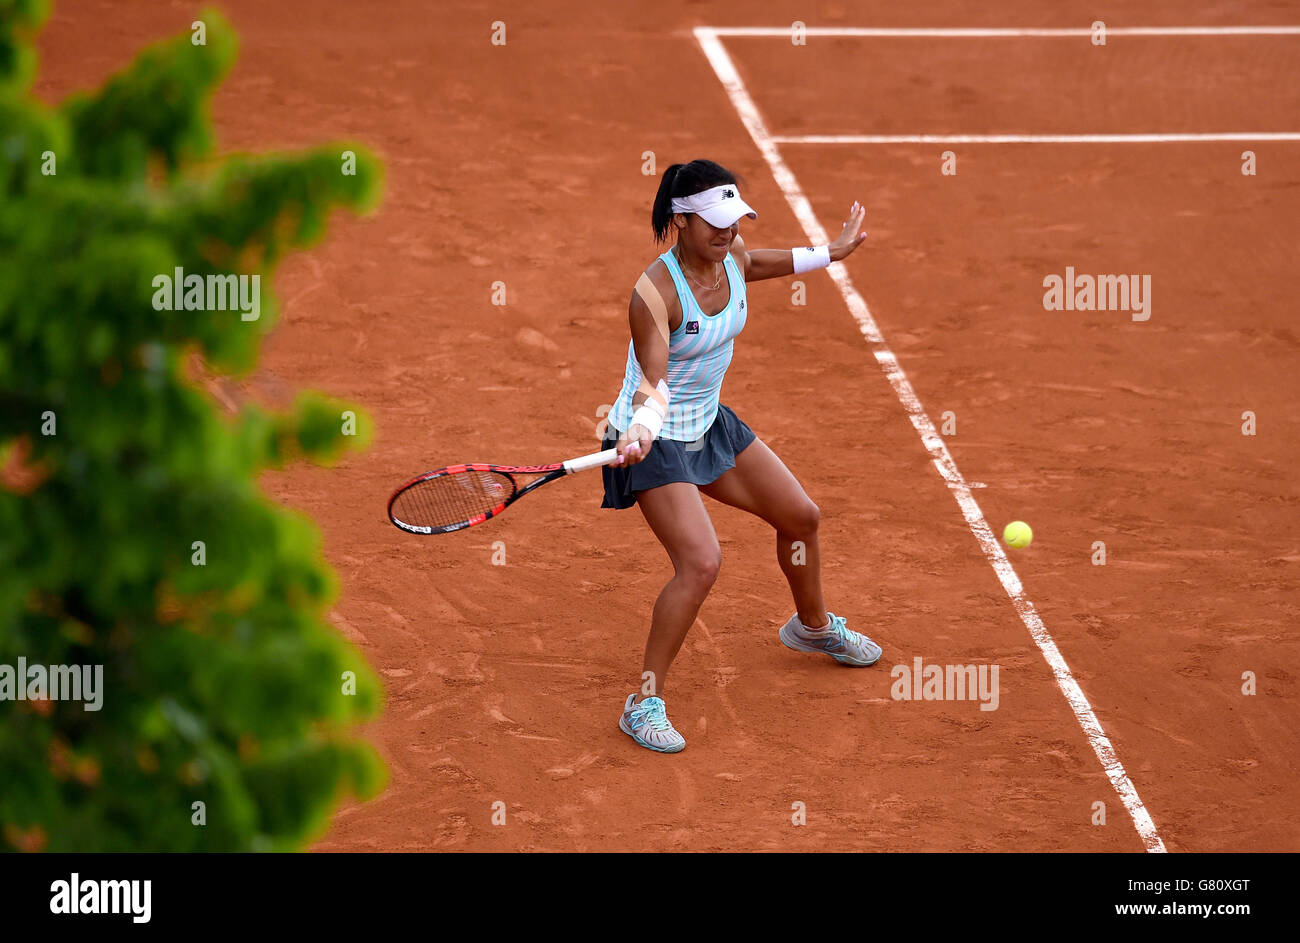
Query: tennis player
point(675, 439)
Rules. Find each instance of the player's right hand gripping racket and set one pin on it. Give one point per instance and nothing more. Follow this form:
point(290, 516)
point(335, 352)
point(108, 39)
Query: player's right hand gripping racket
point(460, 496)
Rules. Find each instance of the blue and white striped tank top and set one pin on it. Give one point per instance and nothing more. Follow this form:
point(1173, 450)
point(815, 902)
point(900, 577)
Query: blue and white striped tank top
point(699, 352)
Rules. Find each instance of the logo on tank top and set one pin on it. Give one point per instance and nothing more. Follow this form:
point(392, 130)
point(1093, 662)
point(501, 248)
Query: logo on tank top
point(692, 327)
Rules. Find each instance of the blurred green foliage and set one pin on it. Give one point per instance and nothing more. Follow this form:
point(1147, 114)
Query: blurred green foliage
point(223, 682)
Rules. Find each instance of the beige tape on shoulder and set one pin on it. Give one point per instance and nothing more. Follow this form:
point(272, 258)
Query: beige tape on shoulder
point(655, 302)
point(650, 294)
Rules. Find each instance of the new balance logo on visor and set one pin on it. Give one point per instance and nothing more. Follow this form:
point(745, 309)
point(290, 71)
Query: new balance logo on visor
point(692, 327)
point(728, 194)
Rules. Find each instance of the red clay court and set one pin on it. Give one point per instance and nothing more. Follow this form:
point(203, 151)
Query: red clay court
point(1120, 684)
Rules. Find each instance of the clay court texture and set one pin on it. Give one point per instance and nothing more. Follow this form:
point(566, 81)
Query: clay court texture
point(923, 395)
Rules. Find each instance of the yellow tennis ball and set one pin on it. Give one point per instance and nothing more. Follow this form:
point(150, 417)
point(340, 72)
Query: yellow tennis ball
point(1017, 534)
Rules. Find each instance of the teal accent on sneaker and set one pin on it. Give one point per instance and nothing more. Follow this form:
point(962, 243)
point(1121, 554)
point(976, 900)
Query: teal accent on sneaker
point(647, 723)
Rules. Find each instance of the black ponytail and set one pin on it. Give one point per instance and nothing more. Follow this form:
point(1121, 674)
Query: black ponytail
point(681, 180)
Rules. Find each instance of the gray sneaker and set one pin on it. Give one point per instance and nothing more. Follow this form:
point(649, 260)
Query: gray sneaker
point(836, 639)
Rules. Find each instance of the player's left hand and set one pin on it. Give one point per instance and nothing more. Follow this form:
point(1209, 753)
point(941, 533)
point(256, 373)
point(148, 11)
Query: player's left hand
point(850, 238)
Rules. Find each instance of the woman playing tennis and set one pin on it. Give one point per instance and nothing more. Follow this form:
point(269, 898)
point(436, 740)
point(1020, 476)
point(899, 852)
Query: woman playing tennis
point(675, 439)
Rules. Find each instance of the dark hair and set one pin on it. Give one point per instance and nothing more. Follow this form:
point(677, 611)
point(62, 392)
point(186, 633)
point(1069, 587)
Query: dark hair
point(684, 180)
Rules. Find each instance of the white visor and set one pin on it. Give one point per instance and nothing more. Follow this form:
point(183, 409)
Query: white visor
point(720, 206)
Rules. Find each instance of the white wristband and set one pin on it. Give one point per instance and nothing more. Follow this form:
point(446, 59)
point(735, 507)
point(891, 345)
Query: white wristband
point(648, 417)
point(810, 258)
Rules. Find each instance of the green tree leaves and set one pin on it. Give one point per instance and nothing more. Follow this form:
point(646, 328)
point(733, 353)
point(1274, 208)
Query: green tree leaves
point(223, 681)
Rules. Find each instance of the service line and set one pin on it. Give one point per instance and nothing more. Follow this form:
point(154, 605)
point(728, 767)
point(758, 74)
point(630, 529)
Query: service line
point(1155, 138)
point(720, 60)
point(922, 32)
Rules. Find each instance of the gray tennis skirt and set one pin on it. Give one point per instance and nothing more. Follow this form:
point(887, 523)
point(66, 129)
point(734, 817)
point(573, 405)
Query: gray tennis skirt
point(700, 462)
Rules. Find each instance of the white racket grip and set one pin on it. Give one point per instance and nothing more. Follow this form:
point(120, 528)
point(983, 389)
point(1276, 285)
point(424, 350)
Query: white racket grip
point(594, 460)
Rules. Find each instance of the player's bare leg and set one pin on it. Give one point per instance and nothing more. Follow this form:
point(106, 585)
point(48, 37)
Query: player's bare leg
point(762, 485)
point(677, 516)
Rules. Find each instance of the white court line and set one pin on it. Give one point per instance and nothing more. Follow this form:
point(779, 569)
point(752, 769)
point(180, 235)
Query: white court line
point(1032, 138)
point(718, 57)
point(981, 32)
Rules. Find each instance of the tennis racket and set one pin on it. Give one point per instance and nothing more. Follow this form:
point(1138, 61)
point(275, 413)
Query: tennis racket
point(460, 496)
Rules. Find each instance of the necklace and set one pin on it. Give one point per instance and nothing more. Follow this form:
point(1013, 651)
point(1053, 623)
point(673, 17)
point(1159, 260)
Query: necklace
point(701, 284)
